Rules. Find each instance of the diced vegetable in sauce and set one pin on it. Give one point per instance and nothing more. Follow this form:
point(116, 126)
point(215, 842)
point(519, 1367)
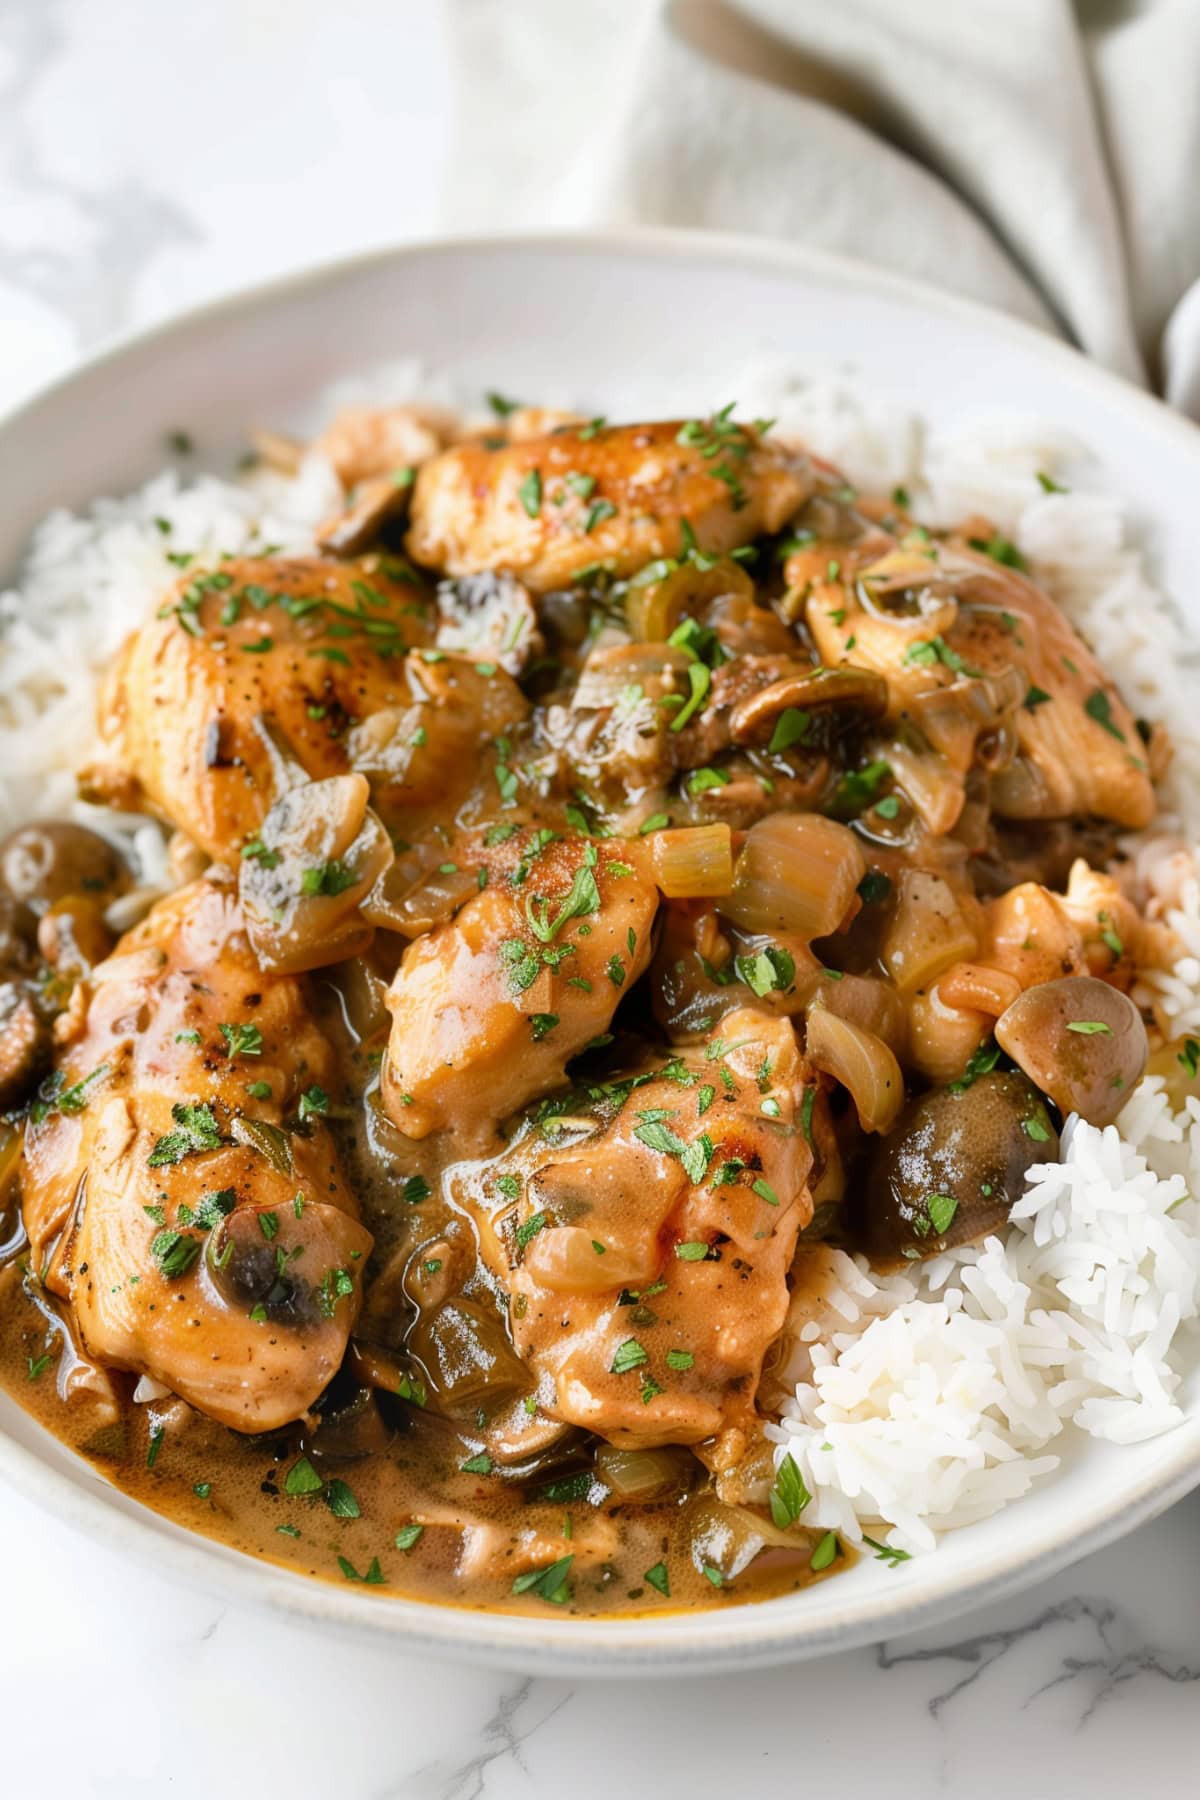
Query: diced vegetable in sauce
point(620, 865)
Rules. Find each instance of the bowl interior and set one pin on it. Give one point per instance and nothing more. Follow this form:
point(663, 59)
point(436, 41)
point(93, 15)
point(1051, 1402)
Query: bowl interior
point(646, 323)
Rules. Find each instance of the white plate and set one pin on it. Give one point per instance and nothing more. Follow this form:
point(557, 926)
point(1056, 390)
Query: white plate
point(606, 322)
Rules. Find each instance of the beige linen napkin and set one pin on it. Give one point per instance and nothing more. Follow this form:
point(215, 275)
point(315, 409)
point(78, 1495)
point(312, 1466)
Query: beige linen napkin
point(1038, 155)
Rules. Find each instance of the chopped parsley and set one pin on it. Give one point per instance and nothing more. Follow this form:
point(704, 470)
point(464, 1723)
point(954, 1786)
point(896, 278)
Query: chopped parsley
point(873, 887)
point(549, 1584)
point(791, 727)
point(372, 1578)
point(530, 493)
point(241, 1040)
point(1000, 549)
point(981, 1062)
point(659, 1579)
point(927, 651)
point(824, 1553)
point(330, 878)
point(629, 1355)
point(701, 780)
point(789, 1496)
point(886, 1552)
point(314, 1103)
point(770, 969)
point(196, 1130)
point(302, 1478)
point(583, 897)
point(340, 1500)
point(940, 1209)
point(1098, 706)
point(529, 1230)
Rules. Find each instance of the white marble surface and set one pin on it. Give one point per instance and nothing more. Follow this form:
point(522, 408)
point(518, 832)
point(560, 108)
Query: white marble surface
point(152, 154)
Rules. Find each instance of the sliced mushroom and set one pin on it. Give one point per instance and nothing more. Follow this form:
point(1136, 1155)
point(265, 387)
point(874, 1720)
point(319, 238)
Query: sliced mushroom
point(40, 864)
point(318, 855)
point(489, 616)
point(1081, 1041)
point(754, 719)
point(365, 441)
point(372, 505)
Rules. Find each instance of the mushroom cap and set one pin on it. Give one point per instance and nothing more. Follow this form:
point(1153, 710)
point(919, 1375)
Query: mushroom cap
point(953, 1166)
point(1081, 1041)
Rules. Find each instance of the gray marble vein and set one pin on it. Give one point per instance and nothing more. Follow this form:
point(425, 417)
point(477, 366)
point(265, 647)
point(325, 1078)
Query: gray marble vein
point(520, 1712)
point(118, 223)
point(1099, 1675)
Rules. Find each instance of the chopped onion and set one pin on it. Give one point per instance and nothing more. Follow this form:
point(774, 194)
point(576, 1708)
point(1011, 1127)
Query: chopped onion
point(862, 1063)
point(935, 788)
point(929, 932)
point(694, 861)
point(644, 1475)
point(797, 872)
point(863, 1000)
point(323, 851)
point(654, 608)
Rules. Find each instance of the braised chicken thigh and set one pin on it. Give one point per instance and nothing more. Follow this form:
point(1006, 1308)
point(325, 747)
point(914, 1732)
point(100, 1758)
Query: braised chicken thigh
point(248, 675)
point(547, 508)
point(182, 1193)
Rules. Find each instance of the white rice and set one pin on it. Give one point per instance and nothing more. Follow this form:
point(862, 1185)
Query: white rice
point(926, 1400)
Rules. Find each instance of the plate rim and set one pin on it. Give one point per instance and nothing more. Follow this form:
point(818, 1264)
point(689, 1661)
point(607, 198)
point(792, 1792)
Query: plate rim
point(748, 1636)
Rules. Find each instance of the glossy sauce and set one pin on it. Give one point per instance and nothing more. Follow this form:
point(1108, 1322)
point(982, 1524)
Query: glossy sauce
point(434, 1466)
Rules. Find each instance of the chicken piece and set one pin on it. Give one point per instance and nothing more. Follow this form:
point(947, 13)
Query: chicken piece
point(488, 1009)
point(548, 507)
point(649, 1261)
point(368, 441)
point(197, 1237)
point(1031, 936)
point(244, 671)
point(986, 666)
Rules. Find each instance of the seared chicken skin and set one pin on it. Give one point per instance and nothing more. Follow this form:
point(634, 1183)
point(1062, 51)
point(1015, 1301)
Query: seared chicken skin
point(488, 1009)
point(621, 496)
point(246, 673)
point(647, 1265)
point(195, 1238)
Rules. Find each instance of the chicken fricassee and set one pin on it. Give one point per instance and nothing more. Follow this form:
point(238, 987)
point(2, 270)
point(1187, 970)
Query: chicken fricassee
point(617, 864)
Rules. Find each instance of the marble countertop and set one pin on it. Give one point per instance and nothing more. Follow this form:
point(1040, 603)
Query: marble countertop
point(151, 156)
